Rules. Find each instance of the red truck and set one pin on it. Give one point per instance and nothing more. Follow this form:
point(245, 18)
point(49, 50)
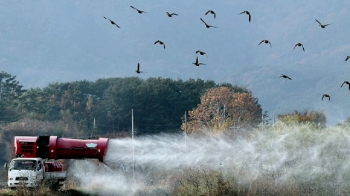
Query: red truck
point(37, 158)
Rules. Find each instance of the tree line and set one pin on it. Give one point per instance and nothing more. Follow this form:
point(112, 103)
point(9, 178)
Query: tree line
point(104, 106)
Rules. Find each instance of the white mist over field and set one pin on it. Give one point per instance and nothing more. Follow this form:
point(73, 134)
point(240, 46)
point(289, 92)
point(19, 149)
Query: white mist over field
point(285, 154)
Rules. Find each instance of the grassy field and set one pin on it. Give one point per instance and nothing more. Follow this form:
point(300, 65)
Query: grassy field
point(42, 191)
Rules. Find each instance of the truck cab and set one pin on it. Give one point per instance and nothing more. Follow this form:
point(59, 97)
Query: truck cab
point(25, 171)
point(31, 172)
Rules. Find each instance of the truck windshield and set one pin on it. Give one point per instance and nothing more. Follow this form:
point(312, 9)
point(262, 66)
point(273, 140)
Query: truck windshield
point(23, 164)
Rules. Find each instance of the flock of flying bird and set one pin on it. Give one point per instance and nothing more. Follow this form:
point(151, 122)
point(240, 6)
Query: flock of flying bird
point(197, 63)
point(301, 45)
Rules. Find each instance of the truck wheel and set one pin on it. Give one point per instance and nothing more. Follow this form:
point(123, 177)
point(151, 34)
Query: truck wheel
point(55, 186)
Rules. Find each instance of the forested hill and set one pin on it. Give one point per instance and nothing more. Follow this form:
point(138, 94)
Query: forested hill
point(104, 106)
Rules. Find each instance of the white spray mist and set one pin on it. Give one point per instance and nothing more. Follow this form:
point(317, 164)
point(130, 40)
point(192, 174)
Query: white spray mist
point(286, 154)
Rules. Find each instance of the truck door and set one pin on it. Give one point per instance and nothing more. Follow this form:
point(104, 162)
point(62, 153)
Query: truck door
point(40, 170)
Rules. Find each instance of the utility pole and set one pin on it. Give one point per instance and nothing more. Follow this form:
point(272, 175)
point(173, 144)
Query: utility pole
point(185, 131)
point(224, 111)
point(93, 128)
point(186, 136)
point(273, 119)
point(133, 148)
point(262, 120)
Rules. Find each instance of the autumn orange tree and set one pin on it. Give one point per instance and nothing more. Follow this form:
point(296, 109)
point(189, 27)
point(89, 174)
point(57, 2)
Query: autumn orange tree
point(221, 108)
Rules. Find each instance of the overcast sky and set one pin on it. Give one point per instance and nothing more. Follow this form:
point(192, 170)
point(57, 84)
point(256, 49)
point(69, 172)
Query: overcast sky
point(44, 42)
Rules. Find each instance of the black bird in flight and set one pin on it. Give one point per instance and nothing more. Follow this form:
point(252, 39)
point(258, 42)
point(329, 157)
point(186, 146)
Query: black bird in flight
point(346, 82)
point(197, 63)
point(160, 42)
point(112, 22)
point(284, 76)
point(347, 58)
point(326, 95)
point(211, 12)
point(299, 44)
point(201, 53)
point(246, 12)
point(139, 11)
point(322, 25)
point(171, 14)
point(266, 42)
point(206, 25)
point(138, 69)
